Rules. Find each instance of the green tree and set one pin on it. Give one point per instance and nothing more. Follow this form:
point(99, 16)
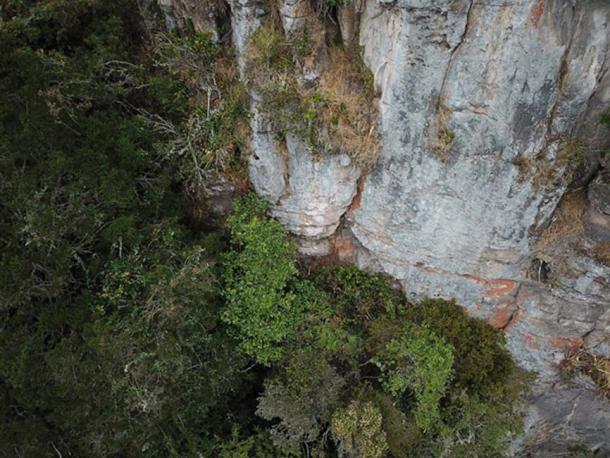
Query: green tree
point(260, 306)
point(165, 355)
point(357, 429)
point(303, 399)
point(421, 361)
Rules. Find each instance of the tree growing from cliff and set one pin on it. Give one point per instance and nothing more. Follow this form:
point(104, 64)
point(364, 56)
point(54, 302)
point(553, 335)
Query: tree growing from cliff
point(260, 307)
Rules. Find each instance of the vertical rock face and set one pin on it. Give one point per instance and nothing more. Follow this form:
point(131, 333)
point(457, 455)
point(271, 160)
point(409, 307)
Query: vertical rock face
point(478, 98)
point(486, 111)
point(309, 195)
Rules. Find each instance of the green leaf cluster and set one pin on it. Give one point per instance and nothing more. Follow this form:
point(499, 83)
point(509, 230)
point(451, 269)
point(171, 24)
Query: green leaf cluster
point(259, 305)
point(423, 362)
point(358, 430)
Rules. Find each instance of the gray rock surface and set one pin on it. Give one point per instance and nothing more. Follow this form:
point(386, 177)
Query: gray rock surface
point(312, 195)
point(318, 191)
point(597, 223)
point(507, 83)
point(570, 411)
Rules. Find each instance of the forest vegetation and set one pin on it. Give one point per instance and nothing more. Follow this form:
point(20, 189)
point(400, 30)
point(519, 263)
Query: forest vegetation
point(135, 324)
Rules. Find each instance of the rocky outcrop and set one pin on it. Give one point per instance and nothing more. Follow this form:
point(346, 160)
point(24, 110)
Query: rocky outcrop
point(309, 195)
point(489, 186)
point(312, 195)
point(481, 104)
point(202, 16)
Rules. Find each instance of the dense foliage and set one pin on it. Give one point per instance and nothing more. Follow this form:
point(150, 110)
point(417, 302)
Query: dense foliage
point(258, 304)
point(354, 370)
point(130, 327)
point(111, 340)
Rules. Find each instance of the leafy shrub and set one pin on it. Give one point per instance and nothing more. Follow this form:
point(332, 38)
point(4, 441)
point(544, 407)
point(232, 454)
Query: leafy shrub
point(423, 362)
point(481, 359)
point(358, 431)
point(358, 294)
point(482, 402)
point(157, 336)
point(256, 444)
point(210, 140)
point(474, 426)
point(260, 307)
point(413, 353)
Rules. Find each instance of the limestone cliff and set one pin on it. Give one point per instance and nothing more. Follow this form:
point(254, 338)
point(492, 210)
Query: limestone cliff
point(490, 185)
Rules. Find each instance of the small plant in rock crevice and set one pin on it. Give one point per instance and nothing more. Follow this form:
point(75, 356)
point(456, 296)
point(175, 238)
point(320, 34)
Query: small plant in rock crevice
point(579, 360)
point(440, 135)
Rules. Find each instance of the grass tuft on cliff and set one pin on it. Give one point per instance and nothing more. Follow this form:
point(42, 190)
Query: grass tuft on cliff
point(333, 113)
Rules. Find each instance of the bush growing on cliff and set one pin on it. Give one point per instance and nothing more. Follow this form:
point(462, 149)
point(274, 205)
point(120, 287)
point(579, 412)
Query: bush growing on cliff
point(333, 114)
point(211, 140)
point(354, 344)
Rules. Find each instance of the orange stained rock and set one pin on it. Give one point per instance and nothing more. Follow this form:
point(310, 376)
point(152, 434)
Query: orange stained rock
point(358, 197)
point(502, 317)
point(343, 249)
point(537, 12)
point(494, 288)
point(566, 343)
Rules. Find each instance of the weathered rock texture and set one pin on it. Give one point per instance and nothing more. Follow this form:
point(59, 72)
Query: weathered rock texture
point(510, 80)
point(186, 13)
point(515, 83)
point(489, 118)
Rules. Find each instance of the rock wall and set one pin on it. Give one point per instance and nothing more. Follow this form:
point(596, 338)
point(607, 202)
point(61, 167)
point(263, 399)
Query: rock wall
point(515, 82)
point(489, 188)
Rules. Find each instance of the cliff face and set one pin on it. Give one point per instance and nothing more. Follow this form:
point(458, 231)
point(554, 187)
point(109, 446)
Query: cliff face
point(517, 83)
point(489, 186)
